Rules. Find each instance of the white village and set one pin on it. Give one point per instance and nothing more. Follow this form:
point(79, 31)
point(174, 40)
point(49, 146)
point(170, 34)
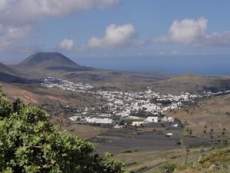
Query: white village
point(121, 109)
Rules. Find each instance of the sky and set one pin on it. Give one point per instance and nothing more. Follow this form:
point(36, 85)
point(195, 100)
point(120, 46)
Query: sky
point(109, 32)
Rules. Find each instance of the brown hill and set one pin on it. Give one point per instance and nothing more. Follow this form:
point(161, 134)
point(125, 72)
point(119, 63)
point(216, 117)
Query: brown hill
point(48, 63)
point(192, 83)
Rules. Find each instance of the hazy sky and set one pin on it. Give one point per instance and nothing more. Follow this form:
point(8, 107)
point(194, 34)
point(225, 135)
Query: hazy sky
point(114, 28)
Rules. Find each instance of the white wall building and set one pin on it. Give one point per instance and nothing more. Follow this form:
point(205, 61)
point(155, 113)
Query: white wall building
point(151, 120)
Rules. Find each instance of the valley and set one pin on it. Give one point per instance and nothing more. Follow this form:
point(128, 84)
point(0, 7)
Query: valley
point(114, 86)
point(120, 112)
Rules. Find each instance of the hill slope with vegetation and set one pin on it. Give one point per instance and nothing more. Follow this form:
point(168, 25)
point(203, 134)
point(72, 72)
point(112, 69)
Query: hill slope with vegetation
point(193, 160)
point(30, 144)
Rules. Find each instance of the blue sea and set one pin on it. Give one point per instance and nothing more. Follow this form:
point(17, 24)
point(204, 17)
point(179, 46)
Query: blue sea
point(174, 65)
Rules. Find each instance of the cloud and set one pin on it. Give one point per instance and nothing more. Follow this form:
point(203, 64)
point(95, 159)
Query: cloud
point(216, 39)
point(115, 36)
point(187, 30)
point(3, 4)
point(17, 15)
point(27, 11)
point(10, 34)
point(194, 32)
point(66, 44)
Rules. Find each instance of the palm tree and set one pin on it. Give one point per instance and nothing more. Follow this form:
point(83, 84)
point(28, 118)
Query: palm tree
point(224, 137)
point(187, 150)
point(205, 130)
point(211, 135)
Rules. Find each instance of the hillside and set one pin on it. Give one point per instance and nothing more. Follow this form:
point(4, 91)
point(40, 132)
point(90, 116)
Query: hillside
point(198, 160)
point(10, 75)
point(213, 113)
point(192, 83)
point(5, 69)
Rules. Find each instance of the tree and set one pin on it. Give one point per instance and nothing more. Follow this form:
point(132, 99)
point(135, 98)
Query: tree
point(30, 144)
point(211, 135)
point(224, 137)
point(17, 105)
point(5, 106)
point(205, 130)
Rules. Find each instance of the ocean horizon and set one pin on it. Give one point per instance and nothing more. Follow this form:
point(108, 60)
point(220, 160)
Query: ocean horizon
point(173, 65)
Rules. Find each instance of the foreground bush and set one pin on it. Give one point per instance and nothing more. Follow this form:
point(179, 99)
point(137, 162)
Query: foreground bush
point(30, 144)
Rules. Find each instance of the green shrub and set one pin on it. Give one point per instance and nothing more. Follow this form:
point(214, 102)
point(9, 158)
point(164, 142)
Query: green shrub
point(30, 144)
point(5, 106)
point(168, 168)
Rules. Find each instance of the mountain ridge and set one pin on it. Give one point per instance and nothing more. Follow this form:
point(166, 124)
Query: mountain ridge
point(50, 61)
point(42, 57)
point(11, 75)
point(6, 69)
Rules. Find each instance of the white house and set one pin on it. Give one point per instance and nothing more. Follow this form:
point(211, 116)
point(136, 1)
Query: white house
point(169, 134)
point(152, 120)
point(75, 118)
point(137, 123)
point(98, 120)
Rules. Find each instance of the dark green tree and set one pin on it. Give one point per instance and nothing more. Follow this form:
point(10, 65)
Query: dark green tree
point(5, 106)
point(30, 144)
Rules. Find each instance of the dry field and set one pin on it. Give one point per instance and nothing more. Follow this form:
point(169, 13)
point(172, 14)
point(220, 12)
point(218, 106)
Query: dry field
point(198, 160)
point(214, 113)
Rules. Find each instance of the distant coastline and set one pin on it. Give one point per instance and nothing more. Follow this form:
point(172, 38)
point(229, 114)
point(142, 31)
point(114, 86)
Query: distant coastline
point(161, 64)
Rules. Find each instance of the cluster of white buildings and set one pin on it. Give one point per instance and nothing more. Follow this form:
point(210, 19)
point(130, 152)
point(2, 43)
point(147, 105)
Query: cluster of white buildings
point(92, 120)
point(132, 103)
point(136, 108)
point(51, 82)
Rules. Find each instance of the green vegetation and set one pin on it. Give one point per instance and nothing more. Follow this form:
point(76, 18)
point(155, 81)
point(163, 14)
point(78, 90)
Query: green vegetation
point(200, 160)
point(215, 161)
point(30, 144)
